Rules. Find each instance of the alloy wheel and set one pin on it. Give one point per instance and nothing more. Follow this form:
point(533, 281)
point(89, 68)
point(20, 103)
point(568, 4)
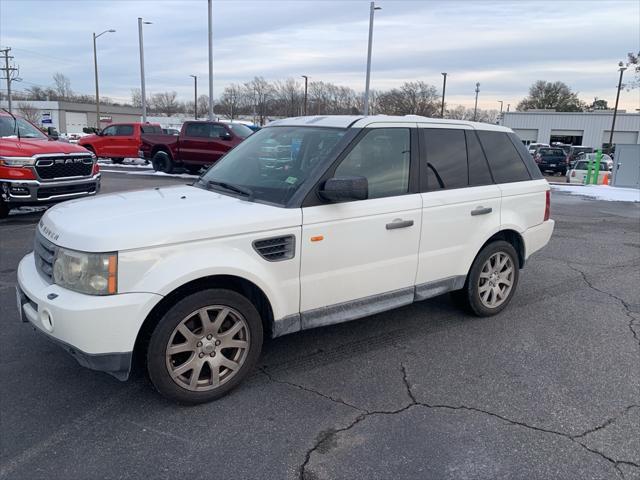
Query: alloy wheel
point(496, 280)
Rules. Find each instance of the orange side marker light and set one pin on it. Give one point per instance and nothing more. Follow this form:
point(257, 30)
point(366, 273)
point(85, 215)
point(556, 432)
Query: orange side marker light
point(317, 238)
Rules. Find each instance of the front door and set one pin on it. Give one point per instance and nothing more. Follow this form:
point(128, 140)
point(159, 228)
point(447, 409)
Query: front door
point(197, 145)
point(360, 257)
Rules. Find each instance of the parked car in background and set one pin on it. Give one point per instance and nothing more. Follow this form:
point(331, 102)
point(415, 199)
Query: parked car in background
point(576, 150)
point(578, 173)
point(170, 131)
point(199, 144)
point(534, 146)
point(190, 279)
point(551, 159)
point(35, 170)
point(119, 140)
point(592, 156)
point(566, 148)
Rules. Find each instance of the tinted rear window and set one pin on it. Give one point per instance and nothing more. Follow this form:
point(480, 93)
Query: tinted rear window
point(479, 173)
point(504, 160)
point(446, 153)
point(551, 152)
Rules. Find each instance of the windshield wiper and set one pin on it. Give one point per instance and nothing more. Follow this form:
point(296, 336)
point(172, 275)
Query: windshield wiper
point(231, 187)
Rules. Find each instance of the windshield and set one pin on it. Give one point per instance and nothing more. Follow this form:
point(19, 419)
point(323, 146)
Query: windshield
point(240, 130)
point(273, 163)
point(27, 130)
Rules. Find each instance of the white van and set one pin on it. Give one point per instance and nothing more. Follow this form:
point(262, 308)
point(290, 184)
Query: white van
point(309, 222)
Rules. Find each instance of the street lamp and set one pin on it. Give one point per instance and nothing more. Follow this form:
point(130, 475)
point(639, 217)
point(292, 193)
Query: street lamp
point(143, 91)
point(195, 96)
point(444, 87)
point(210, 35)
point(475, 109)
point(621, 69)
point(95, 68)
point(372, 9)
point(306, 79)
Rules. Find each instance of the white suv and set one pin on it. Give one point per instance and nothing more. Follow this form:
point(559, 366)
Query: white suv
point(309, 222)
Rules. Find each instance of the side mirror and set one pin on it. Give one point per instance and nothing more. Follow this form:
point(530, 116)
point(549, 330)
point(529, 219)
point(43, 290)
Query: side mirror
point(225, 136)
point(340, 189)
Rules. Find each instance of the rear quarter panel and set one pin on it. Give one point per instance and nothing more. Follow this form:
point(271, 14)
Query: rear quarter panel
point(523, 204)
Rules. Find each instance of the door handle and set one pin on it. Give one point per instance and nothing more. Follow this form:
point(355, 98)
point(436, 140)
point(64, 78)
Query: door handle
point(398, 223)
point(481, 211)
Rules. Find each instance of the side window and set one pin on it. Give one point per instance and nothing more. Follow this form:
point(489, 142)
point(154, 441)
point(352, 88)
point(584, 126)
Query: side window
point(446, 153)
point(197, 130)
point(383, 158)
point(526, 157)
point(109, 131)
point(479, 173)
point(124, 130)
point(218, 131)
point(504, 160)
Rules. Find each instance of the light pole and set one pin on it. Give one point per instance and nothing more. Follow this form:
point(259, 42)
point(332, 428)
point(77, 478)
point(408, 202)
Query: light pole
point(143, 91)
point(306, 80)
point(444, 87)
point(195, 96)
point(95, 68)
point(622, 68)
point(508, 107)
point(210, 61)
point(475, 108)
point(372, 9)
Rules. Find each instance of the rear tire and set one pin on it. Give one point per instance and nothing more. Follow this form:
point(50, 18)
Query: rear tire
point(162, 162)
point(492, 280)
point(190, 340)
point(117, 160)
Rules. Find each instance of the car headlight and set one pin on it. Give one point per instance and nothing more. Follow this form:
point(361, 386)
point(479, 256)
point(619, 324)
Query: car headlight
point(91, 273)
point(17, 161)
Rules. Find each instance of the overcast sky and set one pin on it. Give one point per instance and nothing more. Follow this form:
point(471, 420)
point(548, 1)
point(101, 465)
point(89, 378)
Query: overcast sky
point(504, 45)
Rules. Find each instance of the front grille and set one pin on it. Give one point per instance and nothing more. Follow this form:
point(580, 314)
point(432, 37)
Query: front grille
point(44, 253)
point(276, 249)
point(48, 192)
point(64, 167)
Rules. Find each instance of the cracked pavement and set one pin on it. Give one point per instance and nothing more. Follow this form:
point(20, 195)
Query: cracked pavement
point(550, 388)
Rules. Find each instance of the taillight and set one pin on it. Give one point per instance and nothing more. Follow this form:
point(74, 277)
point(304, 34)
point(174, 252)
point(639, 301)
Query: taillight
point(547, 206)
point(96, 169)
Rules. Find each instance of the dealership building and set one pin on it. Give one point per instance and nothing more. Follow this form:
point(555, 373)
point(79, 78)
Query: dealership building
point(580, 128)
point(70, 117)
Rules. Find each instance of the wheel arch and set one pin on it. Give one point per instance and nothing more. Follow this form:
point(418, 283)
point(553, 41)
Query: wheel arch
point(512, 237)
point(229, 282)
point(161, 148)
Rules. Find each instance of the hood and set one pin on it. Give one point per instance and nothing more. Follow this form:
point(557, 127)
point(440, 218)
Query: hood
point(27, 147)
point(160, 216)
point(87, 139)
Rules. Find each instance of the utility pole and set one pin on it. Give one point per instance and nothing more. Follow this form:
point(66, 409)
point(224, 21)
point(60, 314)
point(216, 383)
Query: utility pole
point(508, 107)
point(306, 79)
point(501, 102)
point(10, 73)
point(475, 108)
point(95, 66)
point(615, 109)
point(195, 96)
point(210, 63)
point(444, 87)
point(142, 86)
point(372, 10)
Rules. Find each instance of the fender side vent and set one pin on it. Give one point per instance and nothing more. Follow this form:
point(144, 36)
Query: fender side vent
point(276, 249)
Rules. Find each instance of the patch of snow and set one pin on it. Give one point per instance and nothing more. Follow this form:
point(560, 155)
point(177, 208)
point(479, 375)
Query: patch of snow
point(601, 192)
point(127, 163)
point(26, 210)
point(151, 172)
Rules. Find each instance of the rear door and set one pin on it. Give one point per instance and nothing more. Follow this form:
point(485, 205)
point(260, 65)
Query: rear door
point(360, 257)
point(126, 142)
point(461, 206)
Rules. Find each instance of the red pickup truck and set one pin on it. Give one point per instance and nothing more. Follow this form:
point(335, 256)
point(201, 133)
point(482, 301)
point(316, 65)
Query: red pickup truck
point(119, 140)
point(200, 143)
point(35, 170)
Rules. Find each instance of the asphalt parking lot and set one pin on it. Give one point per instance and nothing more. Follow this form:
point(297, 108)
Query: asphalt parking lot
point(548, 389)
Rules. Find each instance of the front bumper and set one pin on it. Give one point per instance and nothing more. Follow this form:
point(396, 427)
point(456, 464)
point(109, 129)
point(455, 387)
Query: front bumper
point(36, 192)
point(99, 331)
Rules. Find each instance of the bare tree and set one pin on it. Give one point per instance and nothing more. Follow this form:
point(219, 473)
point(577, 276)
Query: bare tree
point(288, 98)
point(634, 67)
point(259, 92)
point(62, 86)
point(231, 100)
point(165, 103)
point(412, 98)
point(553, 96)
point(29, 112)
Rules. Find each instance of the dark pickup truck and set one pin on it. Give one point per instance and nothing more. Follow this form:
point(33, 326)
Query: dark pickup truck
point(551, 159)
point(199, 144)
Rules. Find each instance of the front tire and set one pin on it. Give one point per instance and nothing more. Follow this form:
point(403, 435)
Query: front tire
point(204, 346)
point(117, 160)
point(492, 280)
point(162, 162)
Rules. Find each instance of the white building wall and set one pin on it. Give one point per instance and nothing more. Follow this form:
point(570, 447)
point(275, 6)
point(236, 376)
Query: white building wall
point(592, 124)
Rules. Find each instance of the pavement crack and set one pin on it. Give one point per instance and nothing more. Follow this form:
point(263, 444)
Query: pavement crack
point(625, 305)
point(604, 424)
point(311, 390)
